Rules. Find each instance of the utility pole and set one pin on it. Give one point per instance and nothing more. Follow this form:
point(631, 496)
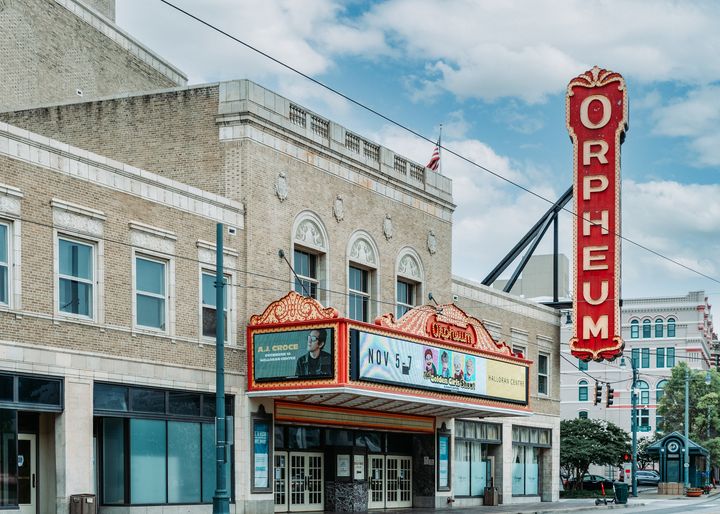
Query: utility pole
point(686, 464)
point(221, 499)
point(634, 427)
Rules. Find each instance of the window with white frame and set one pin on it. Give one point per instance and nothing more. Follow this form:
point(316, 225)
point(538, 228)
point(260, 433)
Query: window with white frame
point(306, 281)
point(76, 277)
point(362, 263)
point(359, 294)
point(408, 285)
point(5, 266)
point(543, 378)
point(209, 305)
point(583, 391)
point(150, 292)
point(310, 246)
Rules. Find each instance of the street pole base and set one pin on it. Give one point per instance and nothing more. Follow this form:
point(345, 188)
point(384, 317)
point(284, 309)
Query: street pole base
point(221, 504)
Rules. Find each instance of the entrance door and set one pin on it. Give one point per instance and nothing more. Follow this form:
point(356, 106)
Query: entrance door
point(299, 482)
point(280, 470)
point(27, 472)
point(390, 483)
point(376, 482)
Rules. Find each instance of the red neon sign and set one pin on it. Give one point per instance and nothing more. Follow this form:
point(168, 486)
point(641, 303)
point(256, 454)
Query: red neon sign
point(597, 116)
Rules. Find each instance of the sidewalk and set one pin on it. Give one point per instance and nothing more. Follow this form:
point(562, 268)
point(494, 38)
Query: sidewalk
point(562, 506)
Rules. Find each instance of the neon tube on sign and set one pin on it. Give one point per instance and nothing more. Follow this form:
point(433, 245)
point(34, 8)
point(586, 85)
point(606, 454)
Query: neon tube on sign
point(597, 116)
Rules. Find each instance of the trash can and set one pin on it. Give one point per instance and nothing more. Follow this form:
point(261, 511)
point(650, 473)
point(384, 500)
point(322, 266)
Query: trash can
point(491, 496)
point(621, 492)
point(82, 504)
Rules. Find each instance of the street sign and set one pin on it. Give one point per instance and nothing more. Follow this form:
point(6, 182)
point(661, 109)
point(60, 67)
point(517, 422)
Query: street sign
point(644, 428)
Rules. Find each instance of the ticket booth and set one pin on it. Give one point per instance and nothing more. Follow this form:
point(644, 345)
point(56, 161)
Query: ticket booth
point(360, 410)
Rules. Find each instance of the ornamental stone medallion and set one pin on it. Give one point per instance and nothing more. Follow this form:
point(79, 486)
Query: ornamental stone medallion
point(388, 227)
point(339, 208)
point(408, 267)
point(309, 234)
point(281, 186)
point(431, 243)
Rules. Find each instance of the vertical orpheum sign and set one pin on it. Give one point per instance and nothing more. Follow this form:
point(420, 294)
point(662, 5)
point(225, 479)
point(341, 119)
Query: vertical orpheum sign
point(597, 115)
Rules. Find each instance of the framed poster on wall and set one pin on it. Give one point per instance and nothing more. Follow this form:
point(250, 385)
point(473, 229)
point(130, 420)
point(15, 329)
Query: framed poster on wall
point(443, 460)
point(343, 465)
point(261, 448)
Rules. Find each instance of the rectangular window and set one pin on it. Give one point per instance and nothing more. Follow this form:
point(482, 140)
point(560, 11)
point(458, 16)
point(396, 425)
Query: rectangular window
point(306, 282)
point(76, 277)
point(150, 293)
point(183, 456)
point(148, 471)
point(582, 365)
point(658, 423)
point(359, 296)
point(583, 414)
point(636, 357)
point(405, 298)
point(113, 461)
point(543, 374)
point(645, 361)
point(583, 393)
point(660, 357)
point(644, 417)
point(4, 264)
point(209, 305)
point(670, 357)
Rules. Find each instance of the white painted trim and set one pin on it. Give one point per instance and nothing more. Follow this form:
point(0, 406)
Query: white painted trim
point(169, 296)
point(98, 296)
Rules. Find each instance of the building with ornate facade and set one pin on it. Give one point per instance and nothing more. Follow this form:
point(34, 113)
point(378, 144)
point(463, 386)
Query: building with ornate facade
point(347, 392)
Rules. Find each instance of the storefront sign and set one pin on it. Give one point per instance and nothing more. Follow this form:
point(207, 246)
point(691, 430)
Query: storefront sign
point(597, 118)
point(293, 355)
point(359, 467)
point(388, 360)
point(261, 455)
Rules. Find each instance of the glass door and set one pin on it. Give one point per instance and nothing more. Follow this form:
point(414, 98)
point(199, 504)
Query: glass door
point(280, 481)
point(376, 482)
point(306, 482)
point(27, 474)
point(398, 482)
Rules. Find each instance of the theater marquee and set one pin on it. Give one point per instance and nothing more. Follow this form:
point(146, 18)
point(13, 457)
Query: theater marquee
point(597, 116)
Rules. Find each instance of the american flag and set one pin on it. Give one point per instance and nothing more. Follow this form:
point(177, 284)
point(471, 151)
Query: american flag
point(434, 163)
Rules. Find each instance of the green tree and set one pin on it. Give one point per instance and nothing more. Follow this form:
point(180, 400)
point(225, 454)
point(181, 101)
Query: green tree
point(590, 441)
point(703, 407)
point(644, 459)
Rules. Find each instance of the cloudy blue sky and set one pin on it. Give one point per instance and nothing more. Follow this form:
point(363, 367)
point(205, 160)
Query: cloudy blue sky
point(494, 74)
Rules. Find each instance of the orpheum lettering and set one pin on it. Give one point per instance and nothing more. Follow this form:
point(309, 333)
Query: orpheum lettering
point(447, 332)
point(597, 121)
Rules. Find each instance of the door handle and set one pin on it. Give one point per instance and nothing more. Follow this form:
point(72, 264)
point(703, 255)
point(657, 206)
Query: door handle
point(33, 479)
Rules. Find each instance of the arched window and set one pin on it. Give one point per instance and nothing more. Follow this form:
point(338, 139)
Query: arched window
point(363, 263)
point(634, 329)
point(644, 391)
point(408, 282)
point(659, 328)
point(671, 327)
point(309, 247)
point(660, 390)
point(583, 391)
point(647, 329)
point(583, 414)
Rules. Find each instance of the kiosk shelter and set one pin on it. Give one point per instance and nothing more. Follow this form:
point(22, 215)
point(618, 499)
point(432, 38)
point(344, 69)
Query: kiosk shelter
point(360, 412)
point(670, 452)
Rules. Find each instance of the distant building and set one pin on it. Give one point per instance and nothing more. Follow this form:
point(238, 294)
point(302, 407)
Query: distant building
point(536, 280)
point(659, 333)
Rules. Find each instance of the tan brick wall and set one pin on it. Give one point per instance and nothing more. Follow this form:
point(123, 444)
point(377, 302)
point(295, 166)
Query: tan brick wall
point(36, 322)
point(172, 134)
point(47, 53)
point(543, 335)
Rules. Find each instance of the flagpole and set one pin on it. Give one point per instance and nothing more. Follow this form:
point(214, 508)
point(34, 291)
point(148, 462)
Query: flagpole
point(440, 150)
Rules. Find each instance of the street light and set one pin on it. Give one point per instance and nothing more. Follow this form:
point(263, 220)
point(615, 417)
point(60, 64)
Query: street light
point(633, 422)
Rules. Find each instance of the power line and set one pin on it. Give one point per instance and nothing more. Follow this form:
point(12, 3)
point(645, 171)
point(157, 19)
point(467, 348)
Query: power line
point(424, 138)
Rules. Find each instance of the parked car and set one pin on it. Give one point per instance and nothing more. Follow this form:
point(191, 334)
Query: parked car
point(647, 477)
point(593, 483)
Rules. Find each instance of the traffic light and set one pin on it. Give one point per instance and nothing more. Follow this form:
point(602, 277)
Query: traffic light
point(626, 457)
point(610, 395)
point(598, 393)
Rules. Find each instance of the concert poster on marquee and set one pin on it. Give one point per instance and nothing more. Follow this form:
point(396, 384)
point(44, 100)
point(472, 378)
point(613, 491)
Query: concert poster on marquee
point(294, 355)
point(597, 119)
point(388, 360)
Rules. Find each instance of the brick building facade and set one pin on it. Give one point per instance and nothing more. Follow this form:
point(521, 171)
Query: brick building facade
point(109, 209)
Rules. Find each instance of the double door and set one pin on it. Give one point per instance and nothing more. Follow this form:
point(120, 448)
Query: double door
point(390, 482)
point(299, 482)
